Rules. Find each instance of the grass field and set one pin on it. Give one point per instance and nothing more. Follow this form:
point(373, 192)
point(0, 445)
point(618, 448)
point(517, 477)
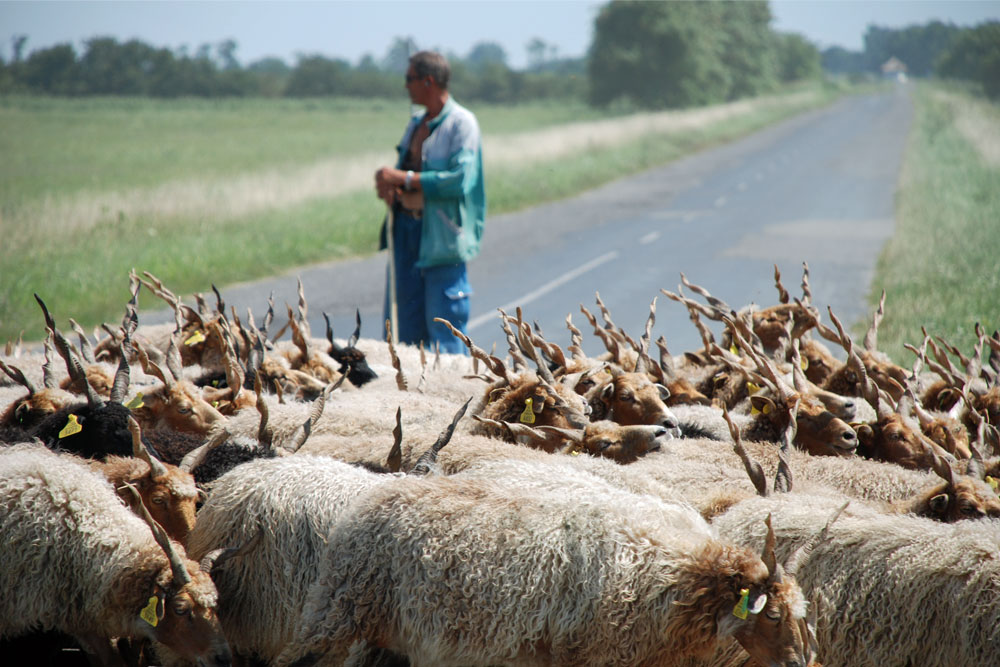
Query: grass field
point(941, 270)
point(201, 192)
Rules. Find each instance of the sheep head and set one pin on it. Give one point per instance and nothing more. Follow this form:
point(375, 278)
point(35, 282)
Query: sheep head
point(607, 439)
point(769, 622)
point(179, 610)
point(167, 491)
point(959, 497)
point(631, 399)
point(351, 359)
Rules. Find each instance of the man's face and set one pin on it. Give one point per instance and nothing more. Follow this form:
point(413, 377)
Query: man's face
point(416, 87)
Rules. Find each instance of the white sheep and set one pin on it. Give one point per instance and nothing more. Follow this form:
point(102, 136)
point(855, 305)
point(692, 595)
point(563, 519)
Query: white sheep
point(76, 560)
point(899, 590)
point(475, 571)
point(295, 501)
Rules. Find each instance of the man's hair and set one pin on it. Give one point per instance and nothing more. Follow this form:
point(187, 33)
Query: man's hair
point(434, 65)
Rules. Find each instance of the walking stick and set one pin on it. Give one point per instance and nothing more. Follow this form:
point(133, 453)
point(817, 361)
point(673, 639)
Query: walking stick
point(393, 311)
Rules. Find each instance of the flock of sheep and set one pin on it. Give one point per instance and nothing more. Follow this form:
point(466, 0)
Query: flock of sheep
point(213, 492)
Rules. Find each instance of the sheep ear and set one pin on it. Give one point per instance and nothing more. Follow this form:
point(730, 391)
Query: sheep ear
point(608, 391)
point(763, 404)
point(939, 503)
point(664, 391)
point(758, 604)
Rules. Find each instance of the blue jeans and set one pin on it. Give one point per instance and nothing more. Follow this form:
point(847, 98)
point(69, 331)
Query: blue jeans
point(423, 294)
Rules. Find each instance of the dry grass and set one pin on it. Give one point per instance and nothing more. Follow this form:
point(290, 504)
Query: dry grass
point(978, 122)
point(229, 198)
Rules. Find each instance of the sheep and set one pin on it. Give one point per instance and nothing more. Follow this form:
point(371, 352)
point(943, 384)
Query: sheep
point(77, 561)
point(901, 590)
point(294, 501)
point(28, 411)
point(168, 492)
point(710, 472)
point(631, 398)
point(471, 572)
point(351, 359)
point(818, 431)
point(525, 397)
point(623, 444)
point(177, 405)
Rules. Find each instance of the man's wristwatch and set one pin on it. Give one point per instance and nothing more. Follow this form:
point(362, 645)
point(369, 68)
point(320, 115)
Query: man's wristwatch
point(408, 181)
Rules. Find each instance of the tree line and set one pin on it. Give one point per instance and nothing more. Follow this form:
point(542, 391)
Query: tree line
point(934, 49)
point(643, 55)
point(134, 68)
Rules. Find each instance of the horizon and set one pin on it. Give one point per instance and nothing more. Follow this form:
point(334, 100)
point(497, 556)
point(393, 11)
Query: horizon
point(349, 30)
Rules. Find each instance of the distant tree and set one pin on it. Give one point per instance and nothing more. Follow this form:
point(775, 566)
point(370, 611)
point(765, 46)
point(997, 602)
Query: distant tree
point(484, 55)
point(367, 63)
point(17, 43)
point(110, 68)
point(538, 51)
point(838, 60)
point(52, 70)
point(226, 51)
point(315, 76)
point(798, 58)
point(658, 54)
point(749, 53)
point(397, 57)
point(975, 56)
point(917, 46)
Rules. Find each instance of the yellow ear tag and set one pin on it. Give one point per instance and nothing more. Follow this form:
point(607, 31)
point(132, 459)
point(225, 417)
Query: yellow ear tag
point(753, 410)
point(735, 350)
point(741, 610)
point(752, 388)
point(148, 612)
point(72, 427)
point(575, 452)
point(993, 482)
point(527, 417)
point(805, 364)
point(196, 337)
point(767, 409)
point(135, 403)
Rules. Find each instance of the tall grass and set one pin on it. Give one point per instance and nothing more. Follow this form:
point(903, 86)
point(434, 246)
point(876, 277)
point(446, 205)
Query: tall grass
point(940, 270)
point(107, 185)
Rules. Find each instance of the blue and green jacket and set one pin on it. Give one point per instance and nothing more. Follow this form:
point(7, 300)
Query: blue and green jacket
point(451, 176)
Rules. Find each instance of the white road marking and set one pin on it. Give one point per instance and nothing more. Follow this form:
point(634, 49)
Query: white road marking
point(525, 299)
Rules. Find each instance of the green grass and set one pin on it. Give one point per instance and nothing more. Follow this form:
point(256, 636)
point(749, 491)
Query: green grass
point(68, 149)
point(940, 270)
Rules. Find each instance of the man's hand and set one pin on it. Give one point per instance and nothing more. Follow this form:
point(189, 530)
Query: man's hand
point(387, 180)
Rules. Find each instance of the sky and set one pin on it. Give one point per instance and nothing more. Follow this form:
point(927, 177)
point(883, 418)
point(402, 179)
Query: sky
point(351, 29)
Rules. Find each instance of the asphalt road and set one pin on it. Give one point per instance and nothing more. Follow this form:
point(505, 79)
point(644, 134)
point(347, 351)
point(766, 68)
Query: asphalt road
point(817, 188)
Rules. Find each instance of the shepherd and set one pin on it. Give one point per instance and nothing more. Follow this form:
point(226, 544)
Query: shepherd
point(437, 210)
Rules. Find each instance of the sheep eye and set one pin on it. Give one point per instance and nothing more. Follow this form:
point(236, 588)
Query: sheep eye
point(159, 500)
point(627, 398)
point(182, 608)
point(183, 411)
point(971, 510)
point(774, 615)
point(604, 444)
